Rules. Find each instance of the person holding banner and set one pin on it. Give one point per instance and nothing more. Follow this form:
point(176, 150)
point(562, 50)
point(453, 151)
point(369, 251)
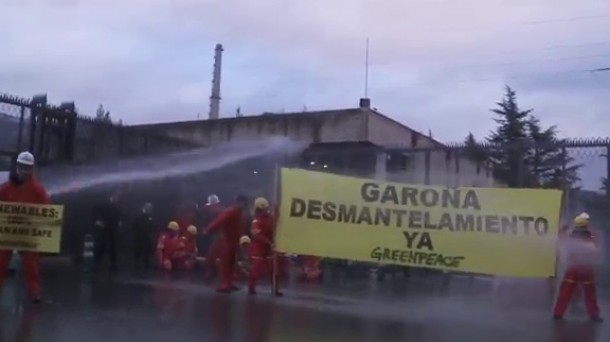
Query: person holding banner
point(262, 247)
point(22, 187)
point(582, 256)
point(232, 225)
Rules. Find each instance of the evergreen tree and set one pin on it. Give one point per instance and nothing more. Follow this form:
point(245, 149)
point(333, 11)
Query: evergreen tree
point(101, 114)
point(474, 151)
point(524, 154)
point(550, 164)
point(510, 136)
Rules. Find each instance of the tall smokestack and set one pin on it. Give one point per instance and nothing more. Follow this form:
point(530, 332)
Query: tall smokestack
point(215, 97)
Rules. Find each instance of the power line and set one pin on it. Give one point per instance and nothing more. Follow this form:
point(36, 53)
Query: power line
point(480, 61)
point(568, 46)
point(522, 76)
point(566, 19)
point(532, 61)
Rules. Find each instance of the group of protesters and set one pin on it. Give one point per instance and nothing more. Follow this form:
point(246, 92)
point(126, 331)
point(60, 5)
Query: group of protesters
point(229, 241)
point(223, 238)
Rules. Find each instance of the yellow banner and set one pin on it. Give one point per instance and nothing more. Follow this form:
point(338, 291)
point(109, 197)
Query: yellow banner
point(31, 227)
point(510, 232)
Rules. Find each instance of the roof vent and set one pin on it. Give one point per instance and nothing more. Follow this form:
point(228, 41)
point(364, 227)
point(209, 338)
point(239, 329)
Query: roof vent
point(365, 103)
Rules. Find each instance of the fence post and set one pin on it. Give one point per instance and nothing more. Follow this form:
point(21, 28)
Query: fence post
point(427, 155)
point(458, 177)
point(565, 185)
point(608, 169)
point(20, 133)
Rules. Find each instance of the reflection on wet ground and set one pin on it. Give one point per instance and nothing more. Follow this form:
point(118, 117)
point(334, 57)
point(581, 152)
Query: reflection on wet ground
point(146, 306)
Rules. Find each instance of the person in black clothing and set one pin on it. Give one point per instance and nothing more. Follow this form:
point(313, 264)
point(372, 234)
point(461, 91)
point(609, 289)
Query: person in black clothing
point(107, 221)
point(143, 236)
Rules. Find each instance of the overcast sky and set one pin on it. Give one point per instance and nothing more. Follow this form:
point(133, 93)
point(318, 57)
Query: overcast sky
point(434, 64)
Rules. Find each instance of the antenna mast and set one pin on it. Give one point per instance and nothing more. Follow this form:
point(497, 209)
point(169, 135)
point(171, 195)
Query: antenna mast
point(366, 71)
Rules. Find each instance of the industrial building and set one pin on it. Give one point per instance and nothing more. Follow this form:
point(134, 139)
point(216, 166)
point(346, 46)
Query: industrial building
point(357, 141)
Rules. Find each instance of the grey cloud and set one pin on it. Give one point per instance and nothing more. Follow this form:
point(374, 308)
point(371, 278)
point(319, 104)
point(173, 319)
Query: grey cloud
point(439, 64)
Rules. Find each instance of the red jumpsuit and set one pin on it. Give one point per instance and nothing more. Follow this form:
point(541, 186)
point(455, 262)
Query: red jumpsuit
point(231, 223)
point(186, 252)
point(210, 245)
point(29, 191)
point(212, 256)
point(243, 262)
point(261, 250)
point(167, 246)
point(581, 269)
point(311, 268)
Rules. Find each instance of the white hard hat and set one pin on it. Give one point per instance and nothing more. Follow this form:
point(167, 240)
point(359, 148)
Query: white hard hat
point(25, 158)
point(213, 199)
point(584, 215)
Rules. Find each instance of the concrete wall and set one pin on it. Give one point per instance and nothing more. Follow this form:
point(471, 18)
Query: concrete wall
point(384, 131)
point(308, 127)
point(445, 170)
point(337, 126)
point(99, 141)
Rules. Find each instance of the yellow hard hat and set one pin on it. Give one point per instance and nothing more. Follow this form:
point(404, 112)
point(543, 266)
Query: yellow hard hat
point(581, 221)
point(192, 230)
point(173, 225)
point(261, 203)
point(244, 240)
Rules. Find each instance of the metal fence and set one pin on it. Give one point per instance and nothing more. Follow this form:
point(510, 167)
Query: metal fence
point(58, 134)
point(579, 167)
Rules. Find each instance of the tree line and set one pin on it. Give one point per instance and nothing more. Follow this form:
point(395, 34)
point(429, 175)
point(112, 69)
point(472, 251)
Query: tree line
point(103, 115)
point(521, 152)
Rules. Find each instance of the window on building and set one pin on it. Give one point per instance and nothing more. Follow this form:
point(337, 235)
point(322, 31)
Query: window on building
point(397, 162)
point(414, 139)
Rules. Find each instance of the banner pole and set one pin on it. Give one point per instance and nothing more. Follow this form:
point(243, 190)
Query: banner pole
point(275, 200)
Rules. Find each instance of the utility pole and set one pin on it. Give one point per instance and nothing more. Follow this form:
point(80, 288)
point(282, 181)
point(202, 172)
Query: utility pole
point(607, 147)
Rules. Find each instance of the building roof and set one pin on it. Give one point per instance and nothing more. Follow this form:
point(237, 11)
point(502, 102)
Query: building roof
point(342, 125)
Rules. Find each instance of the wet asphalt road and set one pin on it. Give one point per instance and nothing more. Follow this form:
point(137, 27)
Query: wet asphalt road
point(146, 306)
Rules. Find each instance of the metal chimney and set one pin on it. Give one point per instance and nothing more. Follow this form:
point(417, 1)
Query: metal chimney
point(215, 97)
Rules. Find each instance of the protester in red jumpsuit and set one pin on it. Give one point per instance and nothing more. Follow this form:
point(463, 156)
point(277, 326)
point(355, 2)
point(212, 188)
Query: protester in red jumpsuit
point(23, 187)
point(210, 245)
point(582, 256)
point(232, 225)
point(167, 245)
point(213, 207)
point(262, 248)
point(243, 259)
point(188, 246)
point(310, 268)
point(212, 257)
